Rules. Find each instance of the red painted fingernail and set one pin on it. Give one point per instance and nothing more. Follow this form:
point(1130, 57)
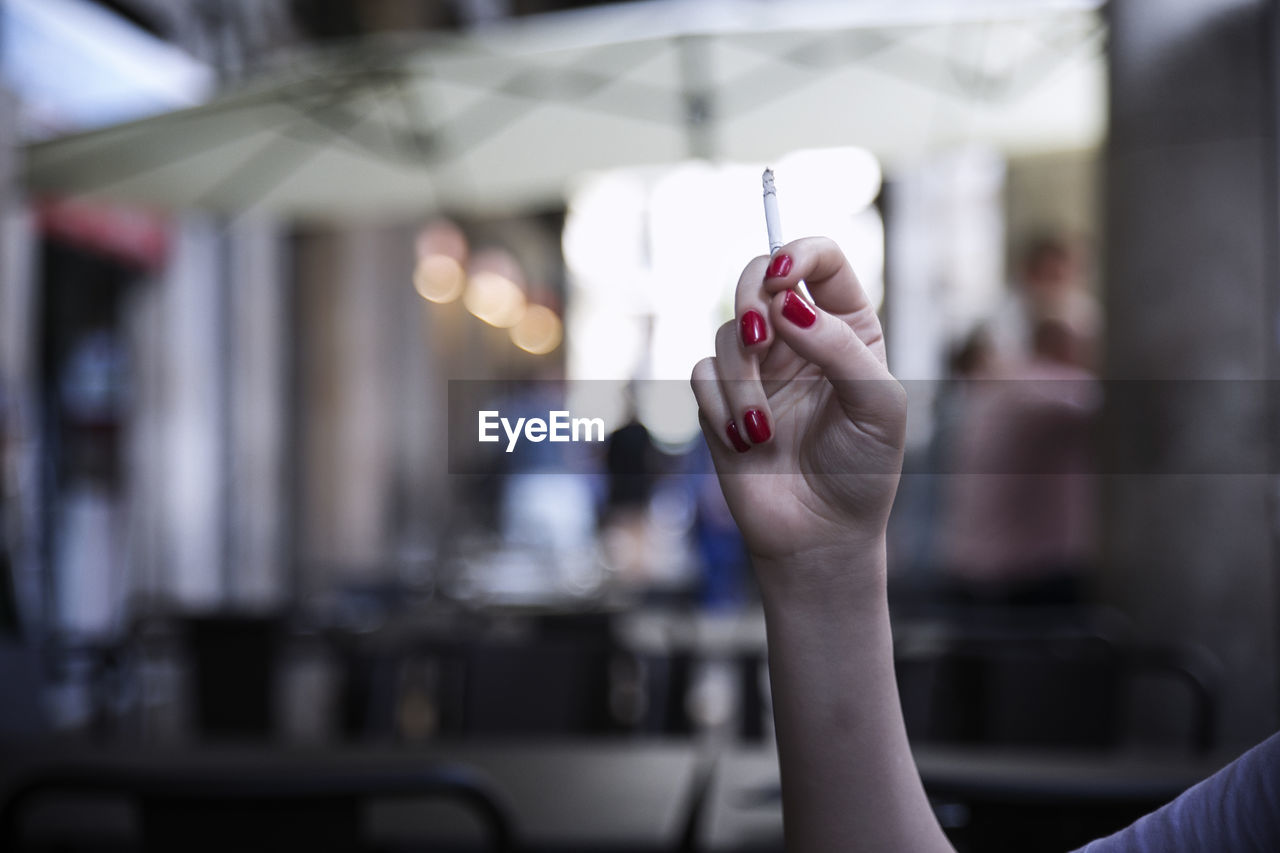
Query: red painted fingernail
point(752, 328)
point(779, 266)
point(798, 311)
point(757, 426)
point(735, 439)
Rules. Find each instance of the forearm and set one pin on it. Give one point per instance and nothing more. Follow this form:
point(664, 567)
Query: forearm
point(849, 781)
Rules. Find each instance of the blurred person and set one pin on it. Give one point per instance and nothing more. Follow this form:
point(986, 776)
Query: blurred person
point(545, 502)
point(783, 418)
point(975, 357)
point(1018, 508)
point(914, 530)
point(631, 462)
point(631, 466)
point(1049, 286)
point(547, 509)
point(725, 581)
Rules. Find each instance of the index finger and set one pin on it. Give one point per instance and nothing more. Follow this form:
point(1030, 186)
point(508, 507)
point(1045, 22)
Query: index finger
point(819, 263)
point(751, 305)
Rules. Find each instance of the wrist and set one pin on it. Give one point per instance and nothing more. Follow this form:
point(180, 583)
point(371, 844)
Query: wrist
point(837, 576)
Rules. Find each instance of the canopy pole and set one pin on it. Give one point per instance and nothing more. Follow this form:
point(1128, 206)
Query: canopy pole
point(699, 100)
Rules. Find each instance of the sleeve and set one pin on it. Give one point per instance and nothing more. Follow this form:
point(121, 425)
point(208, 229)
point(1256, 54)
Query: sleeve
point(1236, 810)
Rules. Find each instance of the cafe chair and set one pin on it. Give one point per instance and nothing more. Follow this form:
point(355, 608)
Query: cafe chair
point(1052, 689)
point(234, 659)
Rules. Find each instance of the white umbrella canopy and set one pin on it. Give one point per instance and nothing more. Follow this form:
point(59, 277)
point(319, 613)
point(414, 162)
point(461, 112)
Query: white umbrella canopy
point(507, 117)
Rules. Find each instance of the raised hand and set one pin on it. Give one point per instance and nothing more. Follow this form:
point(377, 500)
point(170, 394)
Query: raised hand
point(806, 429)
point(804, 421)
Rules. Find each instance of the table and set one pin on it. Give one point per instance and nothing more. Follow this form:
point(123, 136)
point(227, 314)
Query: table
point(603, 795)
point(744, 809)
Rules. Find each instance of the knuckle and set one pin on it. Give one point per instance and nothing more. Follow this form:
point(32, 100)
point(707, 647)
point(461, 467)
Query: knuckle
point(752, 274)
point(703, 373)
point(846, 347)
point(825, 245)
point(725, 336)
point(897, 395)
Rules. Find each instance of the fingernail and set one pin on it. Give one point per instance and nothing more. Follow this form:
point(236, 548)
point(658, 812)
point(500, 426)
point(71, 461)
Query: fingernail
point(735, 439)
point(779, 266)
point(798, 311)
point(753, 331)
point(757, 426)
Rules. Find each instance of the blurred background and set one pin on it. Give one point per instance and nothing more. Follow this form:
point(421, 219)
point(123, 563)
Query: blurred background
point(261, 263)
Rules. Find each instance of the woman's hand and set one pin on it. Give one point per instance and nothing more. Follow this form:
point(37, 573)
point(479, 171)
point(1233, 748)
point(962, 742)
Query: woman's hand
point(804, 421)
point(806, 427)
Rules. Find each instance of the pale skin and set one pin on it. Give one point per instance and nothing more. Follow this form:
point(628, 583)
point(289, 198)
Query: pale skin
point(812, 500)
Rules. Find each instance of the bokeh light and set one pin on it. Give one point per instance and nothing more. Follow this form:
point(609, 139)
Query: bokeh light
point(539, 330)
point(495, 299)
point(442, 237)
point(495, 288)
point(439, 278)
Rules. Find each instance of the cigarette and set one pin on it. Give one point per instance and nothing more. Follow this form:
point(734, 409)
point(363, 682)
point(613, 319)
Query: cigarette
point(772, 221)
point(773, 224)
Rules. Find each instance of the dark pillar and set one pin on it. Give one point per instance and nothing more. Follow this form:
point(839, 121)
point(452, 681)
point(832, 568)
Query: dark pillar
point(1191, 294)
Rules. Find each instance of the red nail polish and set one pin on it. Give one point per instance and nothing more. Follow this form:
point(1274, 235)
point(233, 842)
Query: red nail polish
point(779, 266)
point(735, 439)
point(798, 311)
point(753, 331)
point(757, 426)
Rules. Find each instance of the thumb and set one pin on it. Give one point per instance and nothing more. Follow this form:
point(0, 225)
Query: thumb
point(866, 390)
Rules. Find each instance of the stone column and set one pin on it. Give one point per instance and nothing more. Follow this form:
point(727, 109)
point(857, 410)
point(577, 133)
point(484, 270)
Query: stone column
point(1190, 294)
point(194, 407)
point(371, 432)
point(347, 401)
point(257, 506)
point(176, 447)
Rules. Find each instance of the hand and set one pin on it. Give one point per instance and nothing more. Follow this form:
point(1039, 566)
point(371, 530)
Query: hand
point(809, 470)
point(804, 421)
